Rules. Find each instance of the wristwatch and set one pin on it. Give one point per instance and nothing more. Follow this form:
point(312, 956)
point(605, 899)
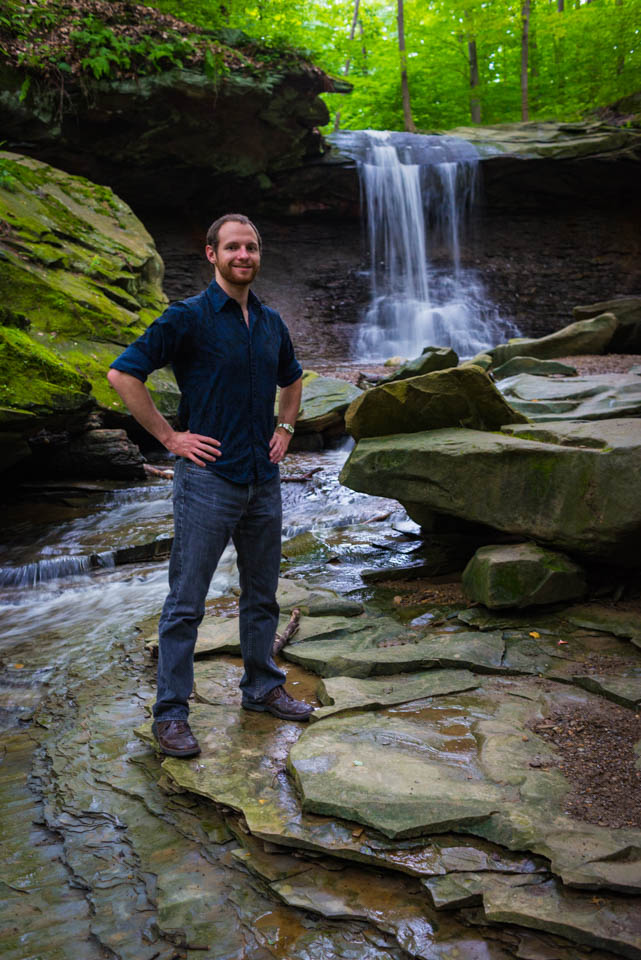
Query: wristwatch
point(286, 426)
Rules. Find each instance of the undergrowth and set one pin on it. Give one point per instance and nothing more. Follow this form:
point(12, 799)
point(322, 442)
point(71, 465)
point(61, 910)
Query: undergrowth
point(97, 39)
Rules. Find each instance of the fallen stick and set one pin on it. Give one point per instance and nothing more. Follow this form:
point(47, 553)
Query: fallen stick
point(156, 472)
point(282, 639)
point(299, 477)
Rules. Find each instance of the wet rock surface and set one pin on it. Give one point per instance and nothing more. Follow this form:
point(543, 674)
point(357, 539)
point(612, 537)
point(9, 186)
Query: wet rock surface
point(426, 811)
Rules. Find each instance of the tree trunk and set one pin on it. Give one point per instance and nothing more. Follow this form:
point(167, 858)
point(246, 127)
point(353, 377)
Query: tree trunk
point(407, 108)
point(475, 103)
point(337, 118)
point(560, 5)
point(525, 33)
point(363, 47)
point(621, 56)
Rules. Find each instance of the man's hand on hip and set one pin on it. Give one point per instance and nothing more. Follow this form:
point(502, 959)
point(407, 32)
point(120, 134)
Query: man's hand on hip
point(278, 445)
point(193, 446)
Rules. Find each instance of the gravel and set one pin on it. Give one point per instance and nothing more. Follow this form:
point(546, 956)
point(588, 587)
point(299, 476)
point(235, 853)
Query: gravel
point(596, 755)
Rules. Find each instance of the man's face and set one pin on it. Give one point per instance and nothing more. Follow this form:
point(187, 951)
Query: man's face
point(237, 256)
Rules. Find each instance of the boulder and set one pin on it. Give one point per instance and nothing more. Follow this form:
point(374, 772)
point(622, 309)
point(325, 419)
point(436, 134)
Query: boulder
point(521, 575)
point(565, 485)
point(432, 358)
point(538, 368)
point(461, 396)
point(593, 397)
point(582, 337)
point(627, 310)
point(80, 278)
point(482, 360)
point(323, 404)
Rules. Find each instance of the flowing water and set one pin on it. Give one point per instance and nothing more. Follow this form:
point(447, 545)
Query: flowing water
point(418, 193)
point(64, 599)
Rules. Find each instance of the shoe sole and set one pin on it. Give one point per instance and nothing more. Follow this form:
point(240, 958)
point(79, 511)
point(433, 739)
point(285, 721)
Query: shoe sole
point(177, 753)
point(261, 708)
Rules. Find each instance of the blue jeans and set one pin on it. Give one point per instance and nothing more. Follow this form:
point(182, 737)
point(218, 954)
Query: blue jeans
point(207, 512)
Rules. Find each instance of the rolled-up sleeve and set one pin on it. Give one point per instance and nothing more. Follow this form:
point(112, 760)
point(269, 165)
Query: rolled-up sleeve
point(289, 369)
point(157, 346)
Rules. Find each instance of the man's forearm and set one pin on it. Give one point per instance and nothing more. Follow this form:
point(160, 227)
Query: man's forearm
point(289, 402)
point(136, 397)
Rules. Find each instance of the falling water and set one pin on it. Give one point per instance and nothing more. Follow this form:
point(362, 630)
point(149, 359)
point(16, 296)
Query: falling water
point(417, 192)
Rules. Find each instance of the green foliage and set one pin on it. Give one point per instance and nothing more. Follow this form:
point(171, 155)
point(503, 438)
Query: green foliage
point(580, 59)
point(105, 52)
point(587, 56)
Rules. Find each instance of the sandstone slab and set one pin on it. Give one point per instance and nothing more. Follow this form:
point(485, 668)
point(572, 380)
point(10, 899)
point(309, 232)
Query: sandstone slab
point(471, 762)
point(341, 694)
point(537, 368)
point(607, 924)
point(590, 397)
point(609, 619)
point(565, 485)
point(581, 337)
point(522, 575)
point(242, 767)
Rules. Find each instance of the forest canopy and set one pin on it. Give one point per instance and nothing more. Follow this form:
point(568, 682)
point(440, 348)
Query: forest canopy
point(465, 61)
point(464, 57)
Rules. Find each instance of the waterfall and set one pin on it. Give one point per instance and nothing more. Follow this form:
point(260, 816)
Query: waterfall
point(417, 192)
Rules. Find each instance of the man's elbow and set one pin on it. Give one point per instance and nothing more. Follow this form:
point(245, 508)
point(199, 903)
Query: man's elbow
point(112, 376)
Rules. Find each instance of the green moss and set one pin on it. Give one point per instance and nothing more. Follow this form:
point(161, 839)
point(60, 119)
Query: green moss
point(33, 378)
point(81, 274)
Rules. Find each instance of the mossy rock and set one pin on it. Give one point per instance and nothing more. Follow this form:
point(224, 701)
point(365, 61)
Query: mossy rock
point(582, 337)
point(432, 358)
point(79, 279)
point(456, 397)
point(521, 575)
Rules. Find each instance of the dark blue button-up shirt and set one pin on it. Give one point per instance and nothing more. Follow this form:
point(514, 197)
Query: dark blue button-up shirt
point(227, 374)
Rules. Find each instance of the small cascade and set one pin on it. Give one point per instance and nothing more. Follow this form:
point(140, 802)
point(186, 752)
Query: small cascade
point(50, 568)
point(417, 192)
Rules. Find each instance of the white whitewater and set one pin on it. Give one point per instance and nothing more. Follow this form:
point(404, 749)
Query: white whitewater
point(417, 192)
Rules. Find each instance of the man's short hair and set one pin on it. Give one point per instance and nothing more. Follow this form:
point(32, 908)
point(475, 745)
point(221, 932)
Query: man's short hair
point(214, 230)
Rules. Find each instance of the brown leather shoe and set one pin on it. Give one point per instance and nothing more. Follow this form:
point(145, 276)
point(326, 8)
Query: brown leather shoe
point(174, 737)
point(279, 702)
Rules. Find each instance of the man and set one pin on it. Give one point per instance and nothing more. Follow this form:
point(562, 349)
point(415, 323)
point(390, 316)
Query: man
point(228, 352)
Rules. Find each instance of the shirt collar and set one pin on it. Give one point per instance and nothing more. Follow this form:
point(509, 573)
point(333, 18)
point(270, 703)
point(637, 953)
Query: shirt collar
point(219, 298)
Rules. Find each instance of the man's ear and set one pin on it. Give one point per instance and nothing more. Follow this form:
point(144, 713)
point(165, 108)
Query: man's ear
point(210, 253)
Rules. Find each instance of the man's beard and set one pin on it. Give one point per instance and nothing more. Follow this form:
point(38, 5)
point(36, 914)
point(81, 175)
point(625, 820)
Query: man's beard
point(237, 277)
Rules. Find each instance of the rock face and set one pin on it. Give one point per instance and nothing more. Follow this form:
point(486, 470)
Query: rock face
point(80, 279)
point(583, 336)
point(259, 116)
point(627, 310)
point(461, 396)
point(565, 485)
point(522, 575)
point(94, 453)
point(593, 397)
